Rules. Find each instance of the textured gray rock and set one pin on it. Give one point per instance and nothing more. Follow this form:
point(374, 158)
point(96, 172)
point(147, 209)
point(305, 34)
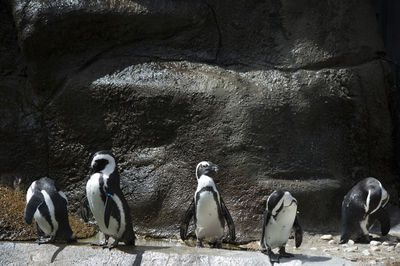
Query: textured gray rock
point(33, 254)
point(280, 94)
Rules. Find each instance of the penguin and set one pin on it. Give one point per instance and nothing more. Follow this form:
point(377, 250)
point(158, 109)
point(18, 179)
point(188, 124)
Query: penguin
point(208, 209)
point(362, 206)
point(280, 216)
point(107, 202)
point(48, 206)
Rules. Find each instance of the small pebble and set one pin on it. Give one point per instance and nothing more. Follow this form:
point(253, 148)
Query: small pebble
point(385, 243)
point(397, 245)
point(366, 252)
point(351, 242)
point(313, 248)
point(327, 237)
point(331, 249)
point(351, 249)
point(372, 262)
point(333, 242)
point(345, 246)
point(375, 248)
point(374, 243)
point(391, 248)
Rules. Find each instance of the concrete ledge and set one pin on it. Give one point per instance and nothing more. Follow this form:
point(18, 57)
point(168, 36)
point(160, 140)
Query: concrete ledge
point(16, 253)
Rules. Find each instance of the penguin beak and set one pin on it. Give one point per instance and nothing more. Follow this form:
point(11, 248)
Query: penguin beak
point(214, 168)
point(289, 201)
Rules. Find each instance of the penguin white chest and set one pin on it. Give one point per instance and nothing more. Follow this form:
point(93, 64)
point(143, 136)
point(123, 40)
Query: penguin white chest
point(278, 229)
point(208, 224)
point(97, 206)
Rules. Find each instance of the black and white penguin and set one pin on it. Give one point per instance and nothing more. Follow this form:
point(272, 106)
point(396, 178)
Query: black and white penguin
point(48, 206)
point(362, 206)
point(280, 216)
point(208, 209)
point(107, 202)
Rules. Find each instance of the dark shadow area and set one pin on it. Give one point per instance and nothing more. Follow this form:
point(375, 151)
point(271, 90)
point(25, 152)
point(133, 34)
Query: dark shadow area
point(306, 258)
point(60, 248)
point(394, 213)
point(387, 14)
point(139, 251)
point(138, 259)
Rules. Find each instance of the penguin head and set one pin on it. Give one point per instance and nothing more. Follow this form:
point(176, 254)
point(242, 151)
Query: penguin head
point(102, 162)
point(279, 199)
point(206, 168)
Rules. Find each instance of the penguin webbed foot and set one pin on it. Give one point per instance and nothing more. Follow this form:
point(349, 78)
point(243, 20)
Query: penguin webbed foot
point(72, 239)
point(343, 240)
point(43, 240)
point(216, 244)
point(103, 244)
point(273, 258)
point(284, 254)
point(113, 245)
point(199, 243)
point(364, 239)
point(99, 244)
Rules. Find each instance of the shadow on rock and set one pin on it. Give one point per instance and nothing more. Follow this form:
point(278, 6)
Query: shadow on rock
point(60, 248)
point(307, 258)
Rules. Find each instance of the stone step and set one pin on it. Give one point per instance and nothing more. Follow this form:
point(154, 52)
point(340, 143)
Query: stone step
point(17, 253)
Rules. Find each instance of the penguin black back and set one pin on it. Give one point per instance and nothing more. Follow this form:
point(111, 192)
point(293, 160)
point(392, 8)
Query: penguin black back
point(361, 207)
point(273, 200)
point(48, 206)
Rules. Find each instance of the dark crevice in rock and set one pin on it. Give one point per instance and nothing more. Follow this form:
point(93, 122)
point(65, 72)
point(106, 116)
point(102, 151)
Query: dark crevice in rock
point(215, 18)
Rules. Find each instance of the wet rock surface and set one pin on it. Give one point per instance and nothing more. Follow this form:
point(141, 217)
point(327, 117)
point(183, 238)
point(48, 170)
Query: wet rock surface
point(278, 94)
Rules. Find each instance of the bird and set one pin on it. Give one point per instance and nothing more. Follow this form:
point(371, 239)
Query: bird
point(107, 202)
point(48, 206)
point(362, 206)
point(280, 216)
point(208, 209)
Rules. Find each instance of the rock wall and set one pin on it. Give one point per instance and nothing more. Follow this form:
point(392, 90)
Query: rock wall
point(280, 94)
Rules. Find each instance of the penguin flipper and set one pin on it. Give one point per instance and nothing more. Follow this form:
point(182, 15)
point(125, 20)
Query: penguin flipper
point(298, 232)
point(84, 209)
point(267, 216)
point(229, 220)
point(111, 209)
point(31, 207)
point(186, 220)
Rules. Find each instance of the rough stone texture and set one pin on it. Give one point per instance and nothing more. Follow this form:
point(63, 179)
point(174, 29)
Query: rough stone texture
point(33, 254)
point(22, 147)
point(279, 94)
